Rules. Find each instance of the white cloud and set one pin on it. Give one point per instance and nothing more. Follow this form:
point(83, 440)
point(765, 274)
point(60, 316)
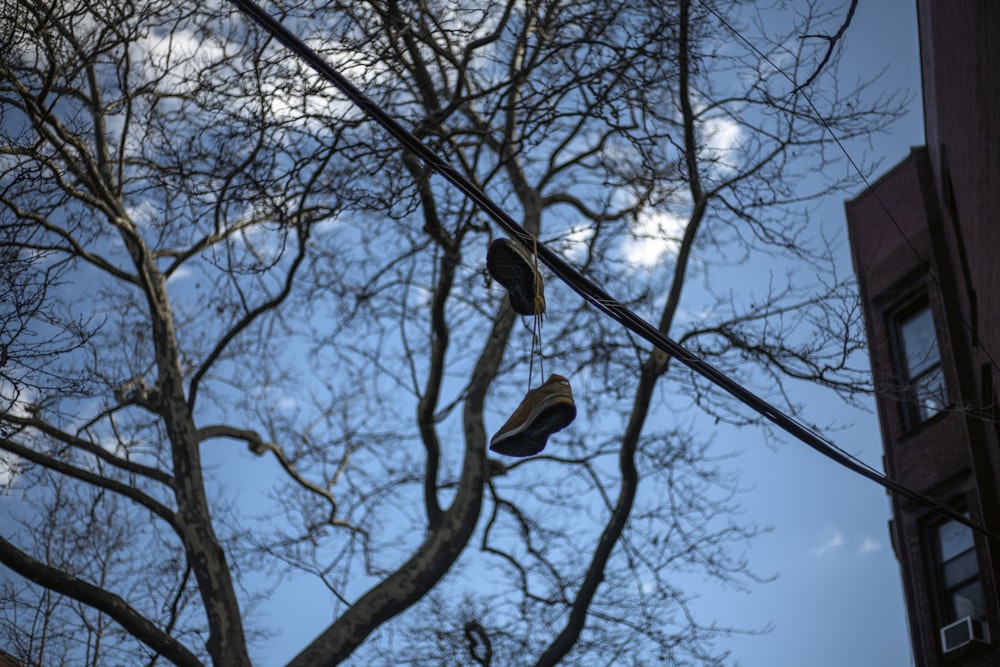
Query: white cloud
point(182, 53)
point(654, 235)
point(326, 226)
point(869, 545)
point(722, 142)
point(830, 539)
point(9, 467)
point(180, 274)
point(144, 214)
point(16, 401)
point(287, 403)
point(574, 243)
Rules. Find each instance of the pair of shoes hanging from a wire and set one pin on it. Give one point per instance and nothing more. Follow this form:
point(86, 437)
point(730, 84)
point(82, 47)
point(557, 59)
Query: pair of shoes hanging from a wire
point(549, 407)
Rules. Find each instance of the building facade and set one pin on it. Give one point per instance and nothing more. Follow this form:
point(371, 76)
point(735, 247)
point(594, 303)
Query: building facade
point(925, 241)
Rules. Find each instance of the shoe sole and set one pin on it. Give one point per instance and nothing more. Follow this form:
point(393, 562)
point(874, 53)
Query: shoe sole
point(532, 439)
point(511, 271)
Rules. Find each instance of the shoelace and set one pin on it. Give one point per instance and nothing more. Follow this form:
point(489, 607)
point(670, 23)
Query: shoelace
point(536, 326)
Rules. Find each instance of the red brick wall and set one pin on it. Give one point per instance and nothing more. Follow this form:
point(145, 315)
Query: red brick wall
point(944, 233)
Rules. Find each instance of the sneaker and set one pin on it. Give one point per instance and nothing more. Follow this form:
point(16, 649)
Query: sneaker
point(543, 411)
point(513, 267)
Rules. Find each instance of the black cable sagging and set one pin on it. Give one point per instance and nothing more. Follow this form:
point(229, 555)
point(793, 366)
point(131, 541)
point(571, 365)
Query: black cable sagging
point(587, 289)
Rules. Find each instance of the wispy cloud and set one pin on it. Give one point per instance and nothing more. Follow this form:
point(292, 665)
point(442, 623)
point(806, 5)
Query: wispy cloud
point(179, 274)
point(830, 539)
point(10, 466)
point(722, 144)
point(574, 243)
point(654, 235)
point(15, 401)
point(869, 545)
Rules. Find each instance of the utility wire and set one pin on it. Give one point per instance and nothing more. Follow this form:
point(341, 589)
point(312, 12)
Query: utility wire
point(843, 149)
point(590, 291)
point(799, 88)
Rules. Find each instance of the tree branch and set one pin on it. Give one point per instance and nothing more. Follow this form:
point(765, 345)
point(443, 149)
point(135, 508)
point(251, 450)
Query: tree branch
point(154, 474)
point(439, 336)
point(302, 230)
point(442, 546)
point(831, 44)
point(651, 370)
point(129, 492)
point(258, 446)
point(114, 606)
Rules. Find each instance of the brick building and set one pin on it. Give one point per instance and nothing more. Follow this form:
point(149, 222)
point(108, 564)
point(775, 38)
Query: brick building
point(925, 241)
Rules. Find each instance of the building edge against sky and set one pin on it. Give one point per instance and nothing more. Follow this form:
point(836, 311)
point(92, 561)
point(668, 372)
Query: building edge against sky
point(925, 241)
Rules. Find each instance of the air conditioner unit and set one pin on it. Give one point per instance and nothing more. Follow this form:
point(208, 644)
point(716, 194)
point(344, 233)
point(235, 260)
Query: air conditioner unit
point(964, 631)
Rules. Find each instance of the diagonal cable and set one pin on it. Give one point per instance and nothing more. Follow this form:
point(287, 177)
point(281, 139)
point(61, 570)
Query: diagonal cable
point(586, 288)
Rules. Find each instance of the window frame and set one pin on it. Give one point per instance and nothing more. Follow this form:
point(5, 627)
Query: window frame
point(943, 592)
point(914, 407)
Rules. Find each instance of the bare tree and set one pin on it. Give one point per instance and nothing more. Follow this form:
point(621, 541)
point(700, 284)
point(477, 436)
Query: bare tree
point(210, 246)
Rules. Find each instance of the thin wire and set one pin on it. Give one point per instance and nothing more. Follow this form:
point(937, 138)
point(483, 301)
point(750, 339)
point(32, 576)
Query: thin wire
point(590, 291)
point(977, 341)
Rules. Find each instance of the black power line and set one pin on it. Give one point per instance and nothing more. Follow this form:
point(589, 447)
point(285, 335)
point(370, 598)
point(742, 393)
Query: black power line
point(590, 291)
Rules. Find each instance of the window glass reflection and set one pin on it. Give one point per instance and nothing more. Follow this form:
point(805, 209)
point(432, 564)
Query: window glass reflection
point(958, 572)
point(919, 364)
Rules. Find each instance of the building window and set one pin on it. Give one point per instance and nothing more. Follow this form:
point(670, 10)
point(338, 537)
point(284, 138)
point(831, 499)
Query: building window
point(918, 363)
point(961, 588)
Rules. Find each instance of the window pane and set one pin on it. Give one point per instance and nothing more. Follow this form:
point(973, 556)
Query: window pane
point(920, 350)
point(929, 393)
point(960, 569)
point(953, 539)
point(968, 601)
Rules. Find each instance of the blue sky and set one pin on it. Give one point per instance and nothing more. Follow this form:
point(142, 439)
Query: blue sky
point(837, 600)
